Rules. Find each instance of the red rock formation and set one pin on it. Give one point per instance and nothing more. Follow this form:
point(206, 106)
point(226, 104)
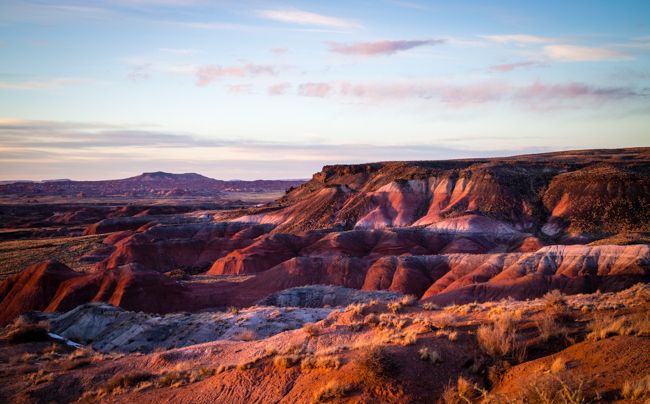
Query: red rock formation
point(32, 289)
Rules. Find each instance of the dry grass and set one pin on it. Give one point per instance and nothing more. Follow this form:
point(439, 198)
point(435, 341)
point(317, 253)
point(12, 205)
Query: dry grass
point(121, 382)
point(604, 326)
point(559, 365)
point(499, 338)
point(549, 327)
point(286, 361)
point(23, 331)
point(332, 390)
point(311, 329)
point(636, 391)
point(320, 362)
point(376, 365)
point(464, 392)
point(430, 306)
point(247, 335)
point(553, 389)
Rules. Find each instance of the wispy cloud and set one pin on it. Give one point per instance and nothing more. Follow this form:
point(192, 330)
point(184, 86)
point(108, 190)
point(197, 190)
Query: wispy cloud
point(301, 17)
point(279, 51)
point(380, 47)
point(518, 38)
point(240, 88)
point(278, 89)
point(207, 74)
point(508, 67)
point(535, 96)
point(46, 84)
point(314, 89)
point(571, 53)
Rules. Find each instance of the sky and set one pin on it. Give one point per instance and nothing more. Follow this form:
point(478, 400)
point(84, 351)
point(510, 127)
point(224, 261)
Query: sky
point(276, 89)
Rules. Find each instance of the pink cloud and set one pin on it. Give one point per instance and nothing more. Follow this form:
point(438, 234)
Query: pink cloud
point(314, 89)
point(279, 51)
point(240, 88)
point(508, 67)
point(381, 47)
point(534, 96)
point(207, 74)
point(278, 89)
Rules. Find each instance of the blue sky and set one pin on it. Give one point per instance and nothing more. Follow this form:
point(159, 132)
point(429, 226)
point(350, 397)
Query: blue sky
point(265, 89)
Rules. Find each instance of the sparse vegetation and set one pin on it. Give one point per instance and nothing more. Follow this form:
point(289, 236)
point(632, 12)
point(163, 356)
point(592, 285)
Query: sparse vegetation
point(638, 390)
point(558, 365)
point(23, 331)
point(286, 361)
point(430, 306)
point(604, 326)
point(311, 329)
point(320, 362)
point(376, 364)
point(499, 338)
point(333, 389)
point(464, 392)
point(553, 389)
point(121, 382)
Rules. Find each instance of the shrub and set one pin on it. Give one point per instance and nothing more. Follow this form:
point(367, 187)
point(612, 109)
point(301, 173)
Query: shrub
point(604, 326)
point(320, 362)
point(429, 306)
point(333, 389)
point(371, 319)
point(464, 392)
point(408, 300)
point(430, 356)
point(22, 331)
point(497, 339)
point(376, 364)
point(286, 361)
point(635, 391)
point(549, 327)
point(394, 307)
point(558, 365)
point(125, 381)
point(311, 329)
point(554, 389)
point(233, 310)
point(247, 335)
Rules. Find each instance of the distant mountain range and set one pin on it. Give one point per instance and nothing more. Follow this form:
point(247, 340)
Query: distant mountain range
point(157, 183)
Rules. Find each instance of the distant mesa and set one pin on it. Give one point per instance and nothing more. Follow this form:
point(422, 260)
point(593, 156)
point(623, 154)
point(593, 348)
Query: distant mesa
point(149, 184)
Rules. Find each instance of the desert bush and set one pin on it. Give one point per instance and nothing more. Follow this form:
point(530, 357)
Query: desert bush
point(408, 300)
point(636, 391)
point(464, 392)
point(332, 390)
point(247, 335)
point(604, 326)
point(371, 319)
point(320, 362)
point(311, 329)
point(376, 364)
point(549, 327)
point(497, 339)
point(429, 306)
point(452, 336)
point(125, 381)
point(174, 378)
point(553, 389)
point(429, 356)
point(445, 320)
point(233, 310)
point(394, 307)
point(22, 331)
point(558, 365)
point(286, 361)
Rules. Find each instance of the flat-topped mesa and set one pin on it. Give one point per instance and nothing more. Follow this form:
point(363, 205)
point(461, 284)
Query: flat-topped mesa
point(589, 194)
